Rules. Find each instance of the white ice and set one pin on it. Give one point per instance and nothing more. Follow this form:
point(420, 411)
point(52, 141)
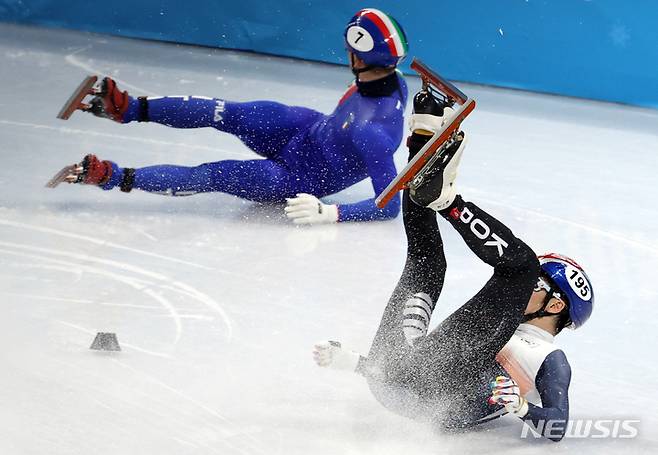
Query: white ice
point(217, 302)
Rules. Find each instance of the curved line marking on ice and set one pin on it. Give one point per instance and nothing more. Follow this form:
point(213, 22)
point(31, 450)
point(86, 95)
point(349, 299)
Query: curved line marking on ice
point(71, 59)
point(98, 242)
point(127, 345)
point(132, 282)
point(209, 302)
point(83, 301)
point(142, 140)
point(45, 297)
point(178, 285)
point(147, 235)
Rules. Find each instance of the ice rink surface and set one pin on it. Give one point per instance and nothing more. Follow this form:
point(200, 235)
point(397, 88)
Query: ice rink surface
point(217, 302)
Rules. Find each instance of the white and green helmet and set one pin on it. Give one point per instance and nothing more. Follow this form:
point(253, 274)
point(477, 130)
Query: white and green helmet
point(376, 38)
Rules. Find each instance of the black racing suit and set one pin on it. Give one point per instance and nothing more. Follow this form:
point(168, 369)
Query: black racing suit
point(445, 376)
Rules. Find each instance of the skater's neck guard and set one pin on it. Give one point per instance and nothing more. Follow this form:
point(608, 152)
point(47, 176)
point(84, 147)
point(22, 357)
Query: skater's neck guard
point(385, 86)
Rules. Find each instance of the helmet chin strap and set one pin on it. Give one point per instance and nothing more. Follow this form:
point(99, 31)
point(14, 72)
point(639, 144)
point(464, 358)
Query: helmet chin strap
point(357, 71)
point(540, 313)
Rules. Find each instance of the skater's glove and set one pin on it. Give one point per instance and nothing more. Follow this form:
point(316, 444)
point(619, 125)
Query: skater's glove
point(428, 122)
point(506, 391)
point(307, 209)
point(331, 354)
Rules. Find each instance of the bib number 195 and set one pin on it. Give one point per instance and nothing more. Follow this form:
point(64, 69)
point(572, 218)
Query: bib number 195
point(578, 283)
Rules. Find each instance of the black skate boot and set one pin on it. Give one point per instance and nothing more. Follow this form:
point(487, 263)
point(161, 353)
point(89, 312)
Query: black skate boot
point(433, 185)
point(427, 116)
point(427, 108)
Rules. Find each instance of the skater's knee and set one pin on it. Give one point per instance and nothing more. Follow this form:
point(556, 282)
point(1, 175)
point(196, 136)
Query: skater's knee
point(527, 260)
point(520, 260)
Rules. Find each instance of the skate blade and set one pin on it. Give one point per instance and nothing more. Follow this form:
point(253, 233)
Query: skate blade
point(440, 139)
point(418, 180)
point(443, 85)
point(61, 176)
point(75, 100)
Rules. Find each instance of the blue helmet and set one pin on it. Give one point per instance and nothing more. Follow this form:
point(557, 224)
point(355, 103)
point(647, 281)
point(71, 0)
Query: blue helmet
point(573, 282)
point(376, 38)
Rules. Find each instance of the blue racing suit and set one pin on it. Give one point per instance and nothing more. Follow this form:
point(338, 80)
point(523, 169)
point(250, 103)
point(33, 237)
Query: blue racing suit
point(302, 150)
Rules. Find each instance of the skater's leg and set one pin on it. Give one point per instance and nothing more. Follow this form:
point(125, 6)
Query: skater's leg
point(422, 278)
point(449, 369)
point(423, 274)
point(448, 364)
point(495, 312)
point(264, 126)
point(257, 180)
point(417, 290)
point(469, 339)
point(390, 368)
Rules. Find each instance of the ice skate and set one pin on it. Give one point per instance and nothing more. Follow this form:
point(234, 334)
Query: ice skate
point(107, 100)
point(90, 171)
point(443, 127)
point(434, 185)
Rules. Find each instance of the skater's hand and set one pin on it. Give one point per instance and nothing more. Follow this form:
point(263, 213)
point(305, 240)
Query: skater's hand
point(307, 209)
point(331, 354)
point(323, 352)
point(506, 391)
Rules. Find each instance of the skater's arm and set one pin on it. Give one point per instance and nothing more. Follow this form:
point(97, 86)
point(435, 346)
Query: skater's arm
point(367, 210)
point(552, 382)
point(377, 152)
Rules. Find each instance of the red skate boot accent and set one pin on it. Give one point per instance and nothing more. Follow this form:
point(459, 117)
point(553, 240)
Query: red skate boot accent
point(107, 102)
point(110, 102)
point(91, 171)
point(95, 171)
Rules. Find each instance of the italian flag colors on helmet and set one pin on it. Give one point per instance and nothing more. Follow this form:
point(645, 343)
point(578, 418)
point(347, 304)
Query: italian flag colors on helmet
point(390, 30)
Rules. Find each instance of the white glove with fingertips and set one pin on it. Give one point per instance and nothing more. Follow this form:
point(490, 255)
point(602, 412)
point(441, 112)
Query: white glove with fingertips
point(506, 391)
point(307, 209)
point(331, 354)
